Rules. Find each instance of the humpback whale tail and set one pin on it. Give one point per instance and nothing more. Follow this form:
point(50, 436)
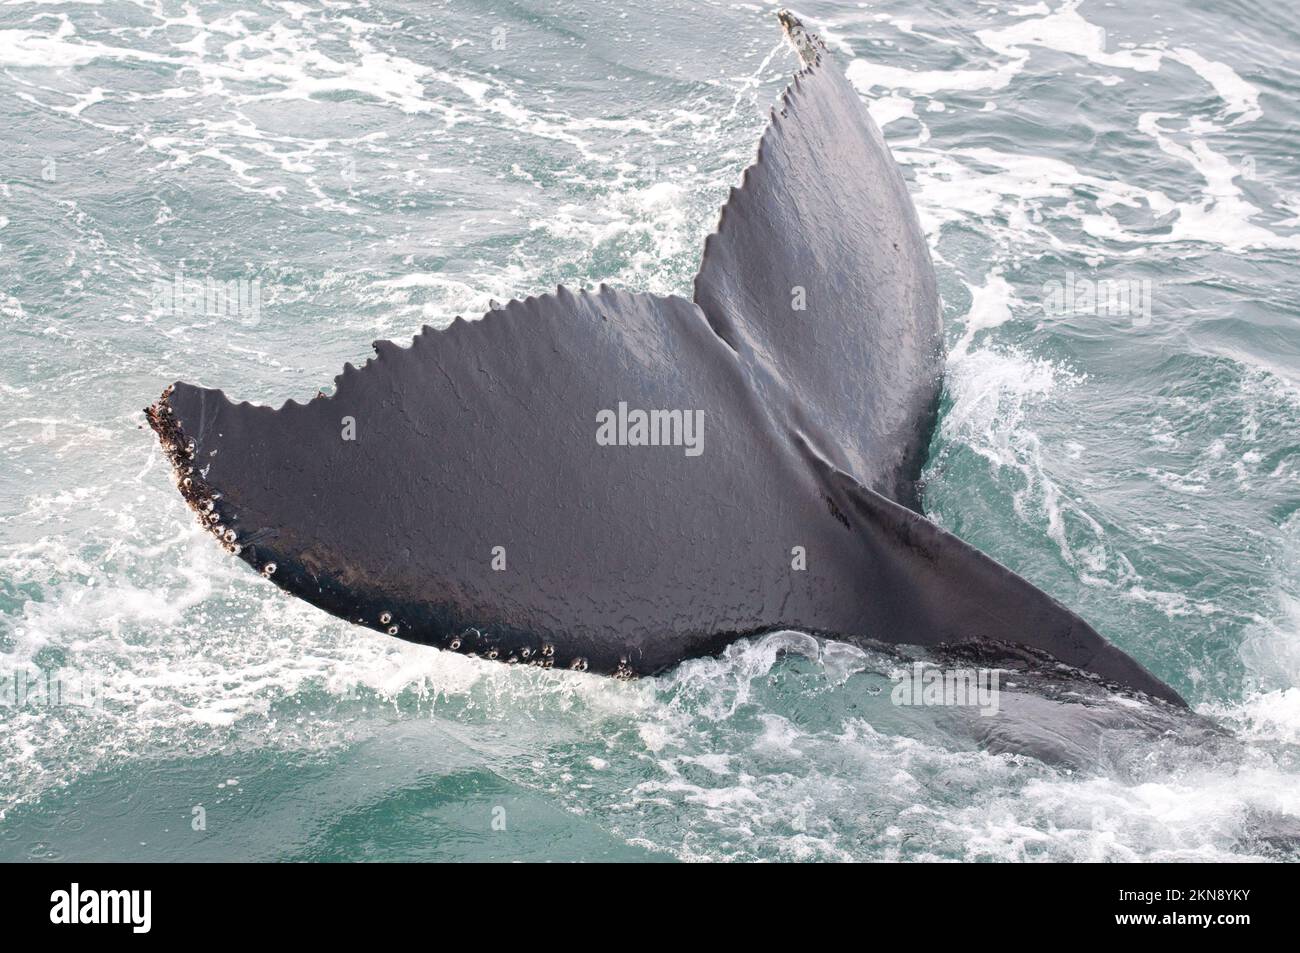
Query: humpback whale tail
point(615, 482)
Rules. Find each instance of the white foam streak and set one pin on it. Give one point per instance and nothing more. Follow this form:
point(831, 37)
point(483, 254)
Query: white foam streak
point(1220, 217)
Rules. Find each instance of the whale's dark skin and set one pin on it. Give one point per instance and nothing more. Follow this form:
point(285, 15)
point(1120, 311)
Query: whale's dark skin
point(625, 560)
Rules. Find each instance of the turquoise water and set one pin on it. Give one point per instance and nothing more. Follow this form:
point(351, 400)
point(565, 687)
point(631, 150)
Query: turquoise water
point(377, 166)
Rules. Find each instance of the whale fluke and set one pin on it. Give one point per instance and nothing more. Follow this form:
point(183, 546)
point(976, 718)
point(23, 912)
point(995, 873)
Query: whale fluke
point(615, 482)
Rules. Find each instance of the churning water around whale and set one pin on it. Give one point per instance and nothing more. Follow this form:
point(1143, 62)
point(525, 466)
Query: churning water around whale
point(1110, 199)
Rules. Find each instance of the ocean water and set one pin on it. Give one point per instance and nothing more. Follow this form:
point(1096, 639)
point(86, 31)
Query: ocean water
point(369, 167)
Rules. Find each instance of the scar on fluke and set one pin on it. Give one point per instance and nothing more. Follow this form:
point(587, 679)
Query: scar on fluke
point(626, 555)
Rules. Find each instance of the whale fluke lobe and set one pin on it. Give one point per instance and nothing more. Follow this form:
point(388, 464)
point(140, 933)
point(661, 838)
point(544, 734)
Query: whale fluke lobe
point(819, 276)
point(614, 482)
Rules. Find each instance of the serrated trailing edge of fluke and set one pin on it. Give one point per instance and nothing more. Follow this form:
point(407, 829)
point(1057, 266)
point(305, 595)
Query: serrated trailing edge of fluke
point(777, 113)
point(159, 413)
